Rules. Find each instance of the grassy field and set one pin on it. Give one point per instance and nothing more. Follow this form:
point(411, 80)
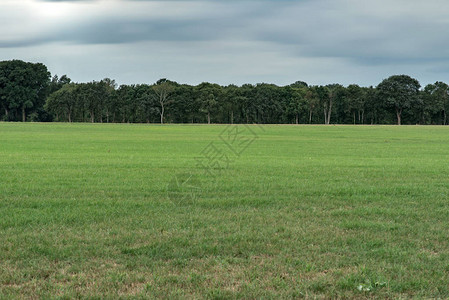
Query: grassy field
point(303, 211)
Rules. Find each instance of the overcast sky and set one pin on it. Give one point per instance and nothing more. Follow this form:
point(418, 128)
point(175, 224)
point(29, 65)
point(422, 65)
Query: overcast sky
point(230, 41)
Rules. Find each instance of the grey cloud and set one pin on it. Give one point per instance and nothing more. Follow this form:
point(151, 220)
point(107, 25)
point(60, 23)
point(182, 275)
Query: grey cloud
point(308, 38)
point(124, 31)
point(365, 39)
point(128, 29)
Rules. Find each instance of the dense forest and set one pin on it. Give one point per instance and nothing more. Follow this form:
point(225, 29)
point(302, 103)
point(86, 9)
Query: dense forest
point(29, 93)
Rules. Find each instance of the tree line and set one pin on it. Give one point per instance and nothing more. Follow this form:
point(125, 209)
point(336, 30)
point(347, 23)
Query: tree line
point(29, 93)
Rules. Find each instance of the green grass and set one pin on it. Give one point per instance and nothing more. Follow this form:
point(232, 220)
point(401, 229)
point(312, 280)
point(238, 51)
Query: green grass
point(305, 211)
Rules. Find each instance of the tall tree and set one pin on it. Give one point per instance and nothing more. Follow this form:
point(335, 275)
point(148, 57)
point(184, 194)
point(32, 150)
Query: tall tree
point(270, 105)
point(311, 99)
point(163, 89)
point(356, 101)
point(146, 104)
point(23, 86)
point(186, 108)
point(233, 98)
point(248, 105)
point(208, 96)
point(326, 101)
point(110, 97)
point(399, 92)
point(373, 106)
point(92, 95)
point(126, 103)
point(297, 102)
point(333, 94)
point(63, 102)
point(436, 100)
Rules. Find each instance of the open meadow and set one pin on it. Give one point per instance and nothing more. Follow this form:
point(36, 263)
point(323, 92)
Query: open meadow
point(197, 211)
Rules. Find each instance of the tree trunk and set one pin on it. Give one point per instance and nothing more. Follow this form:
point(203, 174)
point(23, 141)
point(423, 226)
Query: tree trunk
point(310, 116)
point(398, 115)
point(297, 119)
point(444, 114)
point(70, 117)
point(162, 113)
point(208, 117)
point(329, 112)
point(23, 114)
point(353, 117)
point(232, 117)
point(92, 117)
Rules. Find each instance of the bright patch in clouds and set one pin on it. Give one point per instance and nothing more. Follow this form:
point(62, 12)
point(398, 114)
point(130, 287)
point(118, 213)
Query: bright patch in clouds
point(58, 10)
